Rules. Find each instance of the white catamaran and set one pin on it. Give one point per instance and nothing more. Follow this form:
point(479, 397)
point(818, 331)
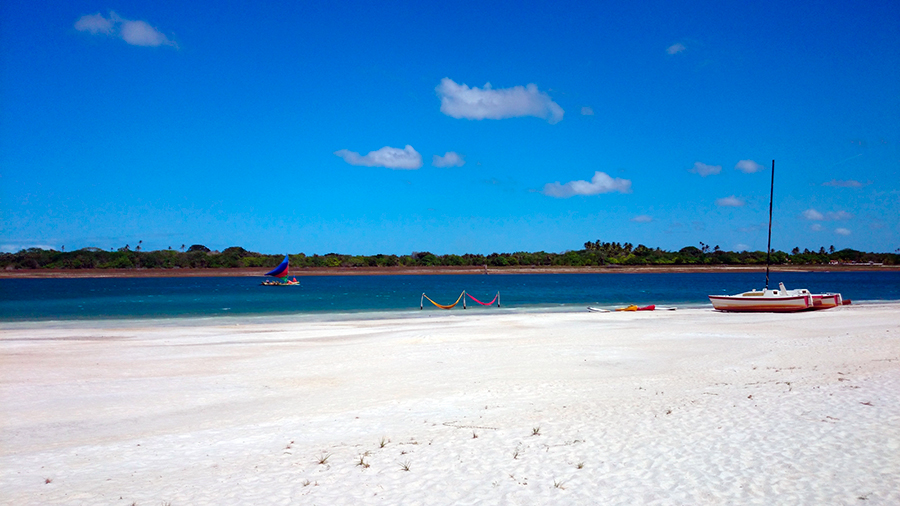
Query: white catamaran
point(781, 300)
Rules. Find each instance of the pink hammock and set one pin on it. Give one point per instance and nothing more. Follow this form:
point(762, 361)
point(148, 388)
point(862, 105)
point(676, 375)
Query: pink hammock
point(495, 299)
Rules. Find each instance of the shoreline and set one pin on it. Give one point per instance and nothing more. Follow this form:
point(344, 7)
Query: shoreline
point(400, 315)
point(413, 271)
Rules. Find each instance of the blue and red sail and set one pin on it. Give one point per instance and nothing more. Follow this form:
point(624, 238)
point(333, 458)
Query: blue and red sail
point(281, 271)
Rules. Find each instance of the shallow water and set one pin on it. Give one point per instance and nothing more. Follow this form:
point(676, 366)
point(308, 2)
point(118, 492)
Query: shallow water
point(116, 298)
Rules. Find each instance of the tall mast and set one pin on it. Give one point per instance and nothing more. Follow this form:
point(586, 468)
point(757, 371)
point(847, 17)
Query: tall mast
point(769, 247)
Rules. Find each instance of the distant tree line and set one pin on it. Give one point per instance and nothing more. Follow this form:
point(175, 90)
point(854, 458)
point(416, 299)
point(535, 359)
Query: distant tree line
point(594, 254)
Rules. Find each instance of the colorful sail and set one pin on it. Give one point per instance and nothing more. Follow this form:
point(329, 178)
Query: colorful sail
point(281, 271)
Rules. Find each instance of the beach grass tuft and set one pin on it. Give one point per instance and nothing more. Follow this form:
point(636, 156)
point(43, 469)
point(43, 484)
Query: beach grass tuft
point(323, 458)
point(536, 431)
point(405, 466)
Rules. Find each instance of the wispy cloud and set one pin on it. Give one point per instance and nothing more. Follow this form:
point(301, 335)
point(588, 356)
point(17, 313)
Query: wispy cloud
point(816, 227)
point(450, 159)
point(600, 183)
point(748, 166)
point(136, 33)
point(812, 214)
point(850, 183)
point(587, 111)
point(95, 23)
point(705, 170)
point(731, 201)
point(642, 218)
point(752, 228)
point(842, 231)
point(392, 158)
point(676, 48)
point(460, 101)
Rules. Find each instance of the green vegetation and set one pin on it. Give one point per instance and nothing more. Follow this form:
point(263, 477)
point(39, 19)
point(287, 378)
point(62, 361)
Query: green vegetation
point(594, 254)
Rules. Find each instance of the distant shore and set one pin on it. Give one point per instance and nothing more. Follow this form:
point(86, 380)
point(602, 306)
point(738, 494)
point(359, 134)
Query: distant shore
point(397, 271)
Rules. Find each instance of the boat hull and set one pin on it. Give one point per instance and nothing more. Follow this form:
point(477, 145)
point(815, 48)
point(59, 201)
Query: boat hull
point(742, 303)
point(827, 300)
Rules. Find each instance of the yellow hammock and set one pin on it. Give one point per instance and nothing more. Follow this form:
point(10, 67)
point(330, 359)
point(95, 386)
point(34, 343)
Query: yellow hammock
point(451, 306)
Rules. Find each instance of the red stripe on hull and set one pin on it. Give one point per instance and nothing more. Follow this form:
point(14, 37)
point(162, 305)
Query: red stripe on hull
point(747, 304)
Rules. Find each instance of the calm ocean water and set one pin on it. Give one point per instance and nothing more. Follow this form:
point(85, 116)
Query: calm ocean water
point(112, 298)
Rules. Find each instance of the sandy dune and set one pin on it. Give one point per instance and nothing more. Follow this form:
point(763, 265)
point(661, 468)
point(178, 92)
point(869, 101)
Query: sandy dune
point(481, 407)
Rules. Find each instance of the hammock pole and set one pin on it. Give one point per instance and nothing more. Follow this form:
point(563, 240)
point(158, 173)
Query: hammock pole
point(464, 300)
point(498, 298)
point(422, 302)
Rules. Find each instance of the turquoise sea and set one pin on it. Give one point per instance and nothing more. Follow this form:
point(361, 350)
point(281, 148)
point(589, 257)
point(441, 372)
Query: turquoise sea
point(115, 298)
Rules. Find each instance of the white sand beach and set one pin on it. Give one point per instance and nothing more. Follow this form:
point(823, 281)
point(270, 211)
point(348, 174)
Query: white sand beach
point(461, 407)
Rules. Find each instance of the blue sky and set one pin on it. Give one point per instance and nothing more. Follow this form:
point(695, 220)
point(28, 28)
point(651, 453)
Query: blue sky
point(458, 127)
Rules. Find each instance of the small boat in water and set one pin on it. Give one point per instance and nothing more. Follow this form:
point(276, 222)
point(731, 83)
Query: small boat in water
point(777, 301)
point(281, 272)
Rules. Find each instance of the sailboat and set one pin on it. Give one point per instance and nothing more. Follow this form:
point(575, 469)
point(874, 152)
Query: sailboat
point(781, 300)
point(281, 272)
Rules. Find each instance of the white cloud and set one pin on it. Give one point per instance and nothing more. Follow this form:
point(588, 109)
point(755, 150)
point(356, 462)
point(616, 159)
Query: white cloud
point(600, 183)
point(706, 170)
point(731, 201)
point(816, 227)
point(748, 166)
point(850, 183)
point(460, 101)
point(392, 158)
point(94, 23)
point(838, 215)
point(139, 33)
point(642, 218)
point(741, 247)
point(136, 33)
point(450, 159)
point(812, 214)
point(587, 111)
point(675, 48)
point(842, 231)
